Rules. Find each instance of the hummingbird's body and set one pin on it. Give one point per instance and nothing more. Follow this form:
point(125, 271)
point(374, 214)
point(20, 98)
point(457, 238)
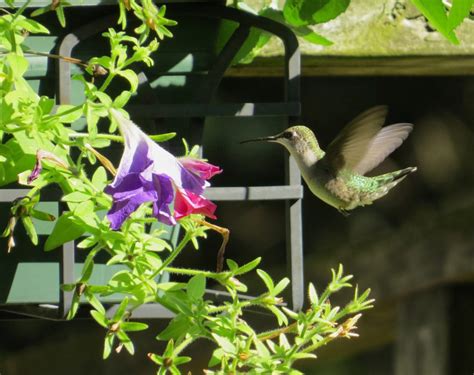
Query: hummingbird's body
point(337, 176)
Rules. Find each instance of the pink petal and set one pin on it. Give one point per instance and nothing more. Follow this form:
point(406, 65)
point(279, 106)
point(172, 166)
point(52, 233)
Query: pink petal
point(187, 203)
point(201, 168)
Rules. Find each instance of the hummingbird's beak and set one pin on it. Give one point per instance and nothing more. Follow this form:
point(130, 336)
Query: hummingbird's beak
point(261, 139)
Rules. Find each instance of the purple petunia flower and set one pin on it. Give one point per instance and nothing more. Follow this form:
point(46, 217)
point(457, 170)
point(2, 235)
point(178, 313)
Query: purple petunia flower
point(149, 173)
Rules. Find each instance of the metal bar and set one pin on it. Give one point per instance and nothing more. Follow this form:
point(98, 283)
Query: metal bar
point(290, 42)
point(216, 110)
point(147, 311)
point(224, 60)
point(254, 193)
point(65, 49)
point(66, 276)
point(294, 238)
point(49, 312)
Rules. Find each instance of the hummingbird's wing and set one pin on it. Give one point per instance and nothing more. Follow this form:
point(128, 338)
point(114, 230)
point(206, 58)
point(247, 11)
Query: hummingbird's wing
point(351, 145)
point(385, 142)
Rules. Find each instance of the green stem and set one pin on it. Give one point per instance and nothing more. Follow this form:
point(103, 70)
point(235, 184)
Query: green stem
point(267, 335)
point(173, 255)
point(118, 138)
point(70, 110)
point(193, 272)
point(107, 81)
point(178, 349)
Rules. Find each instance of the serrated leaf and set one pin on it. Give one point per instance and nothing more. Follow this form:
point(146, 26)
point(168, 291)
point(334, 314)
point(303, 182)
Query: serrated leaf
point(64, 231)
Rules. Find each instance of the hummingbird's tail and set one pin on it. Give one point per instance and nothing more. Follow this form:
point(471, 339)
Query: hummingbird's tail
point(390, 180)
point(398, 176)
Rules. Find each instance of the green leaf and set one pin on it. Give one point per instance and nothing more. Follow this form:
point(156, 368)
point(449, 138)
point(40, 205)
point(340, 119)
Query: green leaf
point(281, 317)
point(181, 360)
point(435, 12)
point(99, 178)
point(328, 9)
point(108, 345)
point(74, 306)
point(225, 344)
point(99, 318)
point(64, 231)
point(76, 197)
point(310, 12)
point(30, 229)
point(266, 279)
point(87, 270)
point(216, 357)
point(177, 328)
point(311, 36)
point(248, 267)
point(122, 99)
point(313, 296)
point(69, 113)
point(196, 287)
point(18, 64)
point(133, 326)
point(43, 216)
point(32, 26)
point(121, 310)
point(163, 137)
point(131, 77)
point(60, 15)
point(460, 10)
point(281, 286)
point(94, 301)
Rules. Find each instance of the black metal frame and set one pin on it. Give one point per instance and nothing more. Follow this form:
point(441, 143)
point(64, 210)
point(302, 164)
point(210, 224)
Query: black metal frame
point(291, 193)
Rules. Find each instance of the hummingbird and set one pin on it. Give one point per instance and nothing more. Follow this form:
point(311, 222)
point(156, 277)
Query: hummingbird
point(337, 175)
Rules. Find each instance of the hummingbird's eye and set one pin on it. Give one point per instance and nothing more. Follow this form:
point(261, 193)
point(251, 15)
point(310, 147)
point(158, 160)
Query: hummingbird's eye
point(288, 135)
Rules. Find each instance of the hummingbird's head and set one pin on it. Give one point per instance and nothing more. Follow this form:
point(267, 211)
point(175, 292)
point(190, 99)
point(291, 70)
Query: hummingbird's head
point(299, 140)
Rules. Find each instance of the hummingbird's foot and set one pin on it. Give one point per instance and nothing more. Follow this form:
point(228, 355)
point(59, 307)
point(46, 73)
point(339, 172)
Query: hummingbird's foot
point(344, 212)
point(224, 232)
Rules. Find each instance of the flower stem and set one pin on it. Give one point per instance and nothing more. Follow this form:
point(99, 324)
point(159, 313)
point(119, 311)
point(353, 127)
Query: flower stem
point(119, 138)
point(173, 255)
point(268, 335)
point(192, 272)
